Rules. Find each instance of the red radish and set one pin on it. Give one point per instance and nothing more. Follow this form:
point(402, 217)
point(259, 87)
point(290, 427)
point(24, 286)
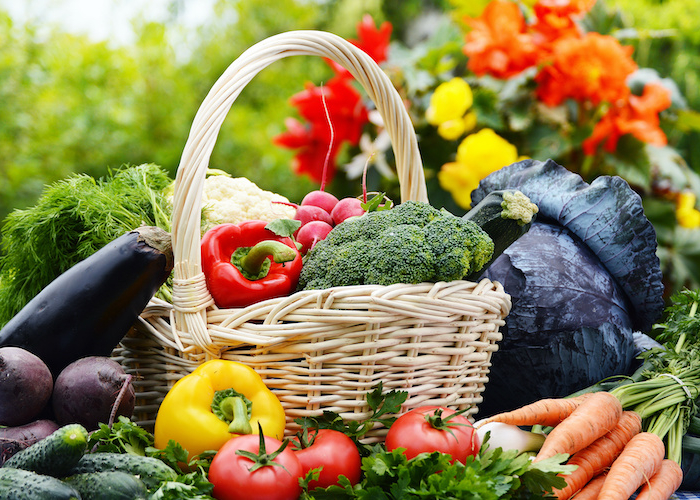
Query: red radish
point(321, 199)
point(346, 208)
point(308, 213)
point(311, 233)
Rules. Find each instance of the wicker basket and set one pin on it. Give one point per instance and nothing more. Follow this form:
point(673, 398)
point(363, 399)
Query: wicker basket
point(317, 350)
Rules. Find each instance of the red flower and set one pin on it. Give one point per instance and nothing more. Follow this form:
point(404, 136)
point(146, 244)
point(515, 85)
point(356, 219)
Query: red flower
point(499, 43)
point(335, 113)
point(639, 116)
point(592, 68)
point(372, 40)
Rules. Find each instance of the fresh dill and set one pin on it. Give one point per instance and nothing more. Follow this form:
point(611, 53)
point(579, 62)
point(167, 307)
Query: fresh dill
point(72, 219)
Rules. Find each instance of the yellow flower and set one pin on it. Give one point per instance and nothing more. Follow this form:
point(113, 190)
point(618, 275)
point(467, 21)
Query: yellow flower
point(478, 155)
point(448, 106)
point(687, 215)
point(454, 129)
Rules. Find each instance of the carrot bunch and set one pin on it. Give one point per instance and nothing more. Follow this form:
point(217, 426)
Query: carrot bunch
point(614, 457)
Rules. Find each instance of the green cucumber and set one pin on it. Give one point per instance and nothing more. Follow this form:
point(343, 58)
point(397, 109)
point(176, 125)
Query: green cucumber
point(55, 455)
point(108, 485)
point(19, 484)
point(505, 215)
point(150, 470)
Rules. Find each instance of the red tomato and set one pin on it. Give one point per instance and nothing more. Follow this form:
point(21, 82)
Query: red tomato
point(332, 450)
point(235, 477)
point(429, 429)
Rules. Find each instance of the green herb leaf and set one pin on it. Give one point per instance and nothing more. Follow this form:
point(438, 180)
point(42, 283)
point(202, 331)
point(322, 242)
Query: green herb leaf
point(283, 227)
point(123, 437)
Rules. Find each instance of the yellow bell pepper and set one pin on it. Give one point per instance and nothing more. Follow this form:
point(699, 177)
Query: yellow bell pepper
point(219, 400)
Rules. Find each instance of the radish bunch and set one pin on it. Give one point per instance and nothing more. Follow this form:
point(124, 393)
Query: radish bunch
point(319, 212)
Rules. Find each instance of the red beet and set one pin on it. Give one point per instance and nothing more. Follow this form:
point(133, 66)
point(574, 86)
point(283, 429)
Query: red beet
point(87, 391)
point(25, 386)
point(14, 439)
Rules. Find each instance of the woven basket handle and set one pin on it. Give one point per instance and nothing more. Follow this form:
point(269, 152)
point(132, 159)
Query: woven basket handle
point(191, 173)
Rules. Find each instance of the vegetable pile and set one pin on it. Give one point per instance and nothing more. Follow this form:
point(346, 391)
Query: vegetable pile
point(577, 259)
point(326, 459)
point(33, 405)
point(613, 457)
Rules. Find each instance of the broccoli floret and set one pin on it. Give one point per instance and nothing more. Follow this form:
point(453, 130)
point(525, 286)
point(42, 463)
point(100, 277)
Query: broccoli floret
point(401, 254)
point(411, 243)
point(461, 247)
point(411, 212)
point(341, 264)
point(517, 206)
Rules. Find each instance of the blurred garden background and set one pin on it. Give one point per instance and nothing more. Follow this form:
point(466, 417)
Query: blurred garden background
point(483, 82)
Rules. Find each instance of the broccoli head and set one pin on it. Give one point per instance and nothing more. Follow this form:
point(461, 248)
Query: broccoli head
point(460, 246)
point(401, 254)
point(410, 243)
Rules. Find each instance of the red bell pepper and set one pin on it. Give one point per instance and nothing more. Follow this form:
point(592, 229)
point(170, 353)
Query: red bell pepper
point(246, 263)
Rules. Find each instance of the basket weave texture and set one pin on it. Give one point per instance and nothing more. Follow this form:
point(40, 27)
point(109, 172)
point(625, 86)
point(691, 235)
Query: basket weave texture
point(321, 349)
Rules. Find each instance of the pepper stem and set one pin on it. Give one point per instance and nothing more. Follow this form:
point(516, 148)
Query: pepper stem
point(236, 410)
point(253, 261)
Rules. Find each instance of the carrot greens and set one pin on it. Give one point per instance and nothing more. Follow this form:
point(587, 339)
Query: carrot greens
point(665, 388)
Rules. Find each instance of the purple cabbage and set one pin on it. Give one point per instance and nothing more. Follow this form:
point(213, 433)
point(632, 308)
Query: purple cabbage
point(607, 215)
point(582, 281)
point(569, 326)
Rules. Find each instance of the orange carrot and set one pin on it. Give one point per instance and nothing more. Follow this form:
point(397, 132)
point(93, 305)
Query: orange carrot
point(546, 412)
point(664, 483)
point(636, 464)
point(600, 454)
point(592, 488)
point(594, 417)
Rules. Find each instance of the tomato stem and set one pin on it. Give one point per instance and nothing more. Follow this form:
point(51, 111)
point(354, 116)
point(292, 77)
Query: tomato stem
point(262, 458)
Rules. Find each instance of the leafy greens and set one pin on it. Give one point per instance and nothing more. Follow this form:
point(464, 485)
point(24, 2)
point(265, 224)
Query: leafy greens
point(73, 219)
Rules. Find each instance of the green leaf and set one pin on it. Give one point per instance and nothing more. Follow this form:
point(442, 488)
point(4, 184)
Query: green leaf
point(124, 436)
point(688, 120)
point(680, 258)
point(283, 227)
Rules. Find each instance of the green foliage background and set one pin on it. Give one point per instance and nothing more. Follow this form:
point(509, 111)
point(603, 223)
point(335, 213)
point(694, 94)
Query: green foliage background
point(68, 104)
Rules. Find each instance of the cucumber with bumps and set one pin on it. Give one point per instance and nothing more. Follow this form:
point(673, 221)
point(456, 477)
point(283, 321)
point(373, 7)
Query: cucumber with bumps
point(150, 470)
point(56, 454)
point(108, 485)
point(19, 484)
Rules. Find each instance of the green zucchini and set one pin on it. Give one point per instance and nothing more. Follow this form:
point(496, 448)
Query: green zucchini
point(18, 484)
point(87, 310)
point(55, 455)
point(108, 485)
point(505, 215)
point(151, 470)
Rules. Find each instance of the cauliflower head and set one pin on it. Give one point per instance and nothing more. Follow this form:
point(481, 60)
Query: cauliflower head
point(235, 199)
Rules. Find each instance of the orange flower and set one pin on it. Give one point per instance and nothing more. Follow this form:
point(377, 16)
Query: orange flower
point(499, 43)
point(639, 116)
point(591, 68)
point(556, 19)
